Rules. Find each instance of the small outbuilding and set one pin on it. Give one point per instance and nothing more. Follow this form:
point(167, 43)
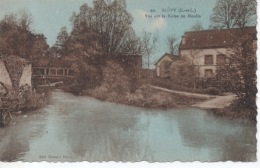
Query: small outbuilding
point(164, 63)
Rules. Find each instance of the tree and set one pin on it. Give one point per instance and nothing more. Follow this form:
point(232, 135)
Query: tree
point(191, 57)
point(182, 73)
point(39, 49)
point(25, 20)
point(16, 38)
point(233, 13)
point(111, 24)
point(148, 45)
point(239, 73)
point(172, 45)
point(245, 13)
point(60, 45)
point(197, 26)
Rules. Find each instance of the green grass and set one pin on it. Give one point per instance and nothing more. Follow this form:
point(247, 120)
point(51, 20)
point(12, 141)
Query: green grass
point(170, 84)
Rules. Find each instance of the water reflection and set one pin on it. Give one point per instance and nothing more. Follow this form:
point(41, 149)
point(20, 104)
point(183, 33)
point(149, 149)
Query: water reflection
point(82, 128)
point(15, 139)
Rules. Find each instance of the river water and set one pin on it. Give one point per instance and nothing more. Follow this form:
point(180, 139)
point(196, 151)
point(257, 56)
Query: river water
point(74, 128)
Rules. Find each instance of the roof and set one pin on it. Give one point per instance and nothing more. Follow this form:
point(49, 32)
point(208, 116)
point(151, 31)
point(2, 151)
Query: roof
point(173, 57)
point(212, 38)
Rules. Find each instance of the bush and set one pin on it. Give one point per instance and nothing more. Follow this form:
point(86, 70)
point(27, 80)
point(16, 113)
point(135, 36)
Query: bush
point(24, 99)
point(183, 73)
point(212, 91)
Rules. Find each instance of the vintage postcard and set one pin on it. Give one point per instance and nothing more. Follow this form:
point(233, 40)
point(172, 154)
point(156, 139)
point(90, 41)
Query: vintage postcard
point(128, 80)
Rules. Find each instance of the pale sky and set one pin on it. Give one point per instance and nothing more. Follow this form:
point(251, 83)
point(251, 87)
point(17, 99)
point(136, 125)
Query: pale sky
point(50, 15)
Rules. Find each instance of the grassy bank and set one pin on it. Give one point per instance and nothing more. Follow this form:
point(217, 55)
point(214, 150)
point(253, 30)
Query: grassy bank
point(144, 96)
point(170, 84)
point(24, 101)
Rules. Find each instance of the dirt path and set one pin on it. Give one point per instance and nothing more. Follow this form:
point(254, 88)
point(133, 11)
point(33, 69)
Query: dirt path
point(213, 102)
point(197, 95)
point(218, 102)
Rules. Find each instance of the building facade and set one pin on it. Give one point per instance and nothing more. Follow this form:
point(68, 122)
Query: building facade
point(209, 49)
point(164, 63)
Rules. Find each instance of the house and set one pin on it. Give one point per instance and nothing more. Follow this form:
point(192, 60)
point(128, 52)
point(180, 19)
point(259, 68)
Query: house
point(15, 72)
point(164, 63)
point(208, 49)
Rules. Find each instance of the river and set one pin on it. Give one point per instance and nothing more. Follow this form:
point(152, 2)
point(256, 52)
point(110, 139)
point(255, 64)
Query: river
point(77, 128)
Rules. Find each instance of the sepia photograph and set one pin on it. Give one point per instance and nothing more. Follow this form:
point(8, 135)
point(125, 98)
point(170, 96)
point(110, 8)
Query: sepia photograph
point(128, 80)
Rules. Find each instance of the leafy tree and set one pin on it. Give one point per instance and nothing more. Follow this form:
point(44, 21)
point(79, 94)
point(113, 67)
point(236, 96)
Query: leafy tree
point(110, 22)
point(233, 13)
point(16, 38)
point(182, 73)
point(239, 74)
point(60, 46)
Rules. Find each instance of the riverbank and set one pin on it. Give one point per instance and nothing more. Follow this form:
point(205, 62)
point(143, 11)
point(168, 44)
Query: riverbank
point(24, 101)
point(154, 98)
point(146, 97)
point(233, 112)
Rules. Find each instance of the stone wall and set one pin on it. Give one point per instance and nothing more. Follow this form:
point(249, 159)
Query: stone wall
point(26, 77)
point(4, 75)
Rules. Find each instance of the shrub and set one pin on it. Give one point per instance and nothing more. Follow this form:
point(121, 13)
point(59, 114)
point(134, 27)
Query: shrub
point(212, 91)
point(24, 99)
point(183, 73)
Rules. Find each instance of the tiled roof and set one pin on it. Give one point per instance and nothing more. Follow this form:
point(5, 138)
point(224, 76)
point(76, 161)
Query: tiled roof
point(211, 38)
point(173, 57)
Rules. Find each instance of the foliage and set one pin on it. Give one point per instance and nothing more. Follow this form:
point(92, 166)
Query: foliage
point(87, 76)
point(233, 13)
point(182, 72)
point(213, 91)
point(239, 74)
point(110, 23)
point(16, 38)
point(14, 66)
point(100, 35)
point(23, 99)
point(114, 80)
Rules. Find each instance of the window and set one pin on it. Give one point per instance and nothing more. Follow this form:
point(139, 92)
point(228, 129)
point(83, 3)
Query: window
point(208, 73)
point(52, 72)
point(208, 59)
point(59, 71)
point(221, 59)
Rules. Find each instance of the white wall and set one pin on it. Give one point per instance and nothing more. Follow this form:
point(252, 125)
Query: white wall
point(4, 75)
point(199, 58)
point(26, 77)
point(165, 58)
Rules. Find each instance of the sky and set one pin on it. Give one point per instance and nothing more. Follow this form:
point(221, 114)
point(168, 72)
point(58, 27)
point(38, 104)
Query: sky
point(50, 15)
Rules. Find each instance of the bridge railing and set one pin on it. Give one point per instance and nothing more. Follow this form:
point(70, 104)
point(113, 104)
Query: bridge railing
point(52, 72)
